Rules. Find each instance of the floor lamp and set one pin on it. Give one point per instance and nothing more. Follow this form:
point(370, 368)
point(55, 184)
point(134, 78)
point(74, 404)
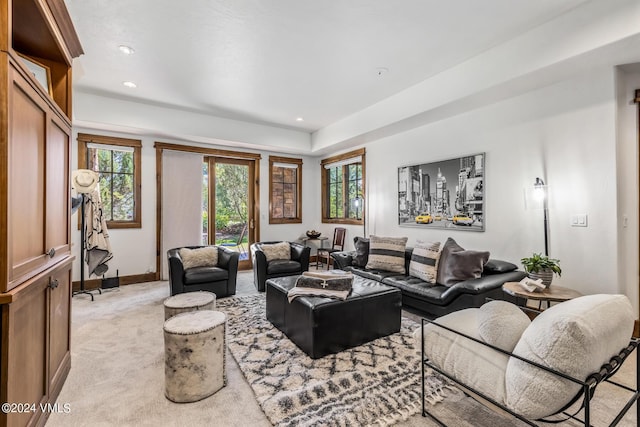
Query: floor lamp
point(540, 194)
point(358, 203)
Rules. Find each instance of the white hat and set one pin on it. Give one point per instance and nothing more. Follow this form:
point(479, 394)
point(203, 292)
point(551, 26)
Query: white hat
point(84, 180)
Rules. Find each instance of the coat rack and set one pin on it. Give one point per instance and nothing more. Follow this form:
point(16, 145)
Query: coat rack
point(82, 250)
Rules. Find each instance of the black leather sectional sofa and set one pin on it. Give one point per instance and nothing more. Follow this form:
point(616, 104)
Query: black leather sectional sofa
point(436, 299)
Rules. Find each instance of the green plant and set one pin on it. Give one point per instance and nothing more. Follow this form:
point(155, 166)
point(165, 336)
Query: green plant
point(539, 262)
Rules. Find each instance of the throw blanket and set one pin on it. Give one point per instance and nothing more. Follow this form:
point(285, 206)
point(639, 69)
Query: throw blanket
point(96, 236)
point(336, 284)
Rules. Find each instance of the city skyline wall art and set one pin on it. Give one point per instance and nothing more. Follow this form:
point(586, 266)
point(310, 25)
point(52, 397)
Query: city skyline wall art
point(447, 194)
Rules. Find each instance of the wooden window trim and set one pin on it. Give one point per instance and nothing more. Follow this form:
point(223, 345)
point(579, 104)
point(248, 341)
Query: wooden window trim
point(84, 139)
point(293, 161)
point(323, 179)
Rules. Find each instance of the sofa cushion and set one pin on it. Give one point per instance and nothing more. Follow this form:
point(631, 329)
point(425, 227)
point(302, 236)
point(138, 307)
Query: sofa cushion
point(361, 257)
point(198, 275)
point(387, 253)
point(496, 266)
point(501, 324)
point(275, 251)
point(200, 257)
point(457, 264)
point(424, 261)
point(471, 363)
point(575, 337)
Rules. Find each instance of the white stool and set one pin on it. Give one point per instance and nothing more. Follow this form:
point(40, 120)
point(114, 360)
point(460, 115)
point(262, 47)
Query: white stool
point(195, 353)
point(189, 301)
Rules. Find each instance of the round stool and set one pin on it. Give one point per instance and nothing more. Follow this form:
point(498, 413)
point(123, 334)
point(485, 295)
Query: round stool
point(189, 301)
point(195, 353)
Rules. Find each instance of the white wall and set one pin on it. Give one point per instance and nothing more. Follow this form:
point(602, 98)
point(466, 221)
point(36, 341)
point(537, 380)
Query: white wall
point(134, 249)
point(565, 134)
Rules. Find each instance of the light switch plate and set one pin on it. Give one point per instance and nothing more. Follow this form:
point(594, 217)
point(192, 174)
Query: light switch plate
point(579, 220)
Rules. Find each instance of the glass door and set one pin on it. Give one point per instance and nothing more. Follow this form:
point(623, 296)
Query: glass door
point(228, 210)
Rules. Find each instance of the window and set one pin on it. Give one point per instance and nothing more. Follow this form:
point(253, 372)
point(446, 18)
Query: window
point(343, 180)
point(285, 189)
point(117, 161)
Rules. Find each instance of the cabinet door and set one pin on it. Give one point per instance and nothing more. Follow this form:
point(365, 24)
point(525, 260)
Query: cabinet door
point(57, 200)
point(25, 345)
point(59, 328)
point(26, 180)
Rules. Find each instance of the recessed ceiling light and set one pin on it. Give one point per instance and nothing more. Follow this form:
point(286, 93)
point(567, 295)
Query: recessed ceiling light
point(130, 84)
point(126, 49)
point(299, 119)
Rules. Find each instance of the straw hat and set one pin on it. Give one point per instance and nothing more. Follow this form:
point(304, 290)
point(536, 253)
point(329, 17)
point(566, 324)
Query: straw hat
point(84, 180)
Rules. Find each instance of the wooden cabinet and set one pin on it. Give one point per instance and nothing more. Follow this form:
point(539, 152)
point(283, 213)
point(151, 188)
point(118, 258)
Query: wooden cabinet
point(37, 359)
point(35, 205)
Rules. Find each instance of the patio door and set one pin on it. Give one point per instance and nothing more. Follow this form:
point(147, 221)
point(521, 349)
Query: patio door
point(228, 205)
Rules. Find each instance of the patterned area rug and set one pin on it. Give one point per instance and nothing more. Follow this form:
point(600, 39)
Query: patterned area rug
point(377, 383)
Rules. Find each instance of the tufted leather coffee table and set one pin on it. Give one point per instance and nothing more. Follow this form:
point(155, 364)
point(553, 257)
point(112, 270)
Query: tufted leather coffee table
point(321, 326)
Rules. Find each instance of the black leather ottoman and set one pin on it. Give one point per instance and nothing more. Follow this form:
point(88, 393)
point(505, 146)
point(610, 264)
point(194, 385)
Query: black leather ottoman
point(321, 326)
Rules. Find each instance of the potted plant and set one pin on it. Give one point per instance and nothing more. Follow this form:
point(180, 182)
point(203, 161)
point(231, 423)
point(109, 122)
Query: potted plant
point(542, 267)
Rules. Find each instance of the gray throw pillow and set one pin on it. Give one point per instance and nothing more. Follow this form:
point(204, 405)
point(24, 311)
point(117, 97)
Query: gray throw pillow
point(362, 252)
point(457, 264)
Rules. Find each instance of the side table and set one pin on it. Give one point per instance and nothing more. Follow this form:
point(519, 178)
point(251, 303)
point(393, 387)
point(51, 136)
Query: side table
point(305, 240)
point(550, 294)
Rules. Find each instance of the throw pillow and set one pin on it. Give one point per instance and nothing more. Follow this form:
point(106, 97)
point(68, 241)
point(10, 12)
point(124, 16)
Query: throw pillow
point(200, 257)
point(575, 337)
point(424, 261)
point(387, 253)
point(275, 251)
point(457, 264)
point(501, 323)
point(362, 252)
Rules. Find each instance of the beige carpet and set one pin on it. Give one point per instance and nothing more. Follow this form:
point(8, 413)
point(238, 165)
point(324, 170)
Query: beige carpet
point(117, 373)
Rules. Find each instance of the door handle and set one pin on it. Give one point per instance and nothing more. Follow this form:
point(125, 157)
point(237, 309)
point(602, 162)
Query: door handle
point(53, 283)
point(52, 252)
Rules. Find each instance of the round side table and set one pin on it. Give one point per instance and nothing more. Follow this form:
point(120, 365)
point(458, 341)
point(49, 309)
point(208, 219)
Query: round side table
point(550, 294)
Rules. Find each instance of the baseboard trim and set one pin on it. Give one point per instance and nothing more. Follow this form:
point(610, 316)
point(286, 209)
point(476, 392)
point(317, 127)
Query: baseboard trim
point(124, 280)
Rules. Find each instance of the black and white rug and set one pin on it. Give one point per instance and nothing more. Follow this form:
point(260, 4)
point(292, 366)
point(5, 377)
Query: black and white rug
point(377, 383)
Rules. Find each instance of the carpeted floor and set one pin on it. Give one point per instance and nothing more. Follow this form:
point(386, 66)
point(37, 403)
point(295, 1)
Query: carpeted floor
point(117, 373)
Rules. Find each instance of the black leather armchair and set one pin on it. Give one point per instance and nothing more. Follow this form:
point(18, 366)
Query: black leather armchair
point(263, 270)
point(221, 279)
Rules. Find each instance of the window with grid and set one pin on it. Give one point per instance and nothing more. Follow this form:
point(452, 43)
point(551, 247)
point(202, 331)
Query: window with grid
point(117, 162)
point(285, 189)
point(343, 188)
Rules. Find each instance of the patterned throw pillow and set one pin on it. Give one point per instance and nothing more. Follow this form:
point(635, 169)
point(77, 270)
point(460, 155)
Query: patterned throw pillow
point(200, 257)
point(275, 251)
point(387, 253)
point(424, 261)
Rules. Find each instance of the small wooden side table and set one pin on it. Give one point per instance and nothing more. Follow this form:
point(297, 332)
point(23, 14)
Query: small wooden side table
point(551, 294)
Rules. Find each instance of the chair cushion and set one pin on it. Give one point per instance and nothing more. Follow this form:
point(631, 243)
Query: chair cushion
point(501, 324)
point(283, 266)
point(424, 261)
point(196, 275)
point(575, 337)
point(200, 257)
point(469, 362)
point(361, 256)
point(387, 253)
point(275, 251)
point(457, 264)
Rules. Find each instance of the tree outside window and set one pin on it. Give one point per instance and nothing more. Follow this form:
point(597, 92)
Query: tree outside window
point(342, 183)
point(117, 161)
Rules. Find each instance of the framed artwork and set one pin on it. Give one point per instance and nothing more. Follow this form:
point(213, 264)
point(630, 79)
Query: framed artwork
point(447, 194)
point(41, 73)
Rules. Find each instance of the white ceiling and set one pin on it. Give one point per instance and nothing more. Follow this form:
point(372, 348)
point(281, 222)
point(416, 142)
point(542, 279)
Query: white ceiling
point(271, 61)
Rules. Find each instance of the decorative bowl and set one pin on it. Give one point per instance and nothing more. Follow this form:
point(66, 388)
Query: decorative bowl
point(313, 234)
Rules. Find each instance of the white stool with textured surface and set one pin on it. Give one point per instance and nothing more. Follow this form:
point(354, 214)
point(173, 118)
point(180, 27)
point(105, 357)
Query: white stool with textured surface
point(195, 353)
point(189, 301)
